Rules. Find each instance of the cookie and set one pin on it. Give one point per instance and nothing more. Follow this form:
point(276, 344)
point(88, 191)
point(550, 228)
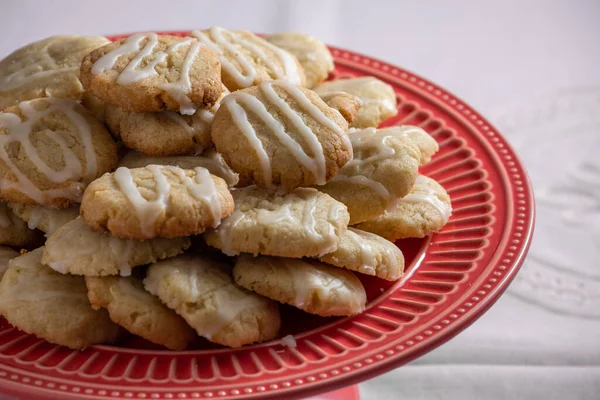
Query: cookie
point(368, 254)
point(423, 140)
point(156, 201)
point(278, 133)
point(313, 55)
point(75, 249)
point(52, 306)
point(148, 72)
point(14, 231)
point(43, 218)
point(208, 299)
point(133, 308)
point(301, 223)
point(347, 104)
point(46, 68)
point(423, 211)
point(209, 159)
point(6, 254)
point(247, 60)
point(95, 106)
point(309, 285)
point(377, 97)
point(50, 150)
point(383, 170)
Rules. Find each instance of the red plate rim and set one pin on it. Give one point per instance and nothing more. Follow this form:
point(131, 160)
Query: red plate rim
point(514, 193)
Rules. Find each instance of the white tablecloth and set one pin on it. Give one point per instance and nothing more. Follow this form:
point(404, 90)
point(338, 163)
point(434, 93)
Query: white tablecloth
point(531, 67)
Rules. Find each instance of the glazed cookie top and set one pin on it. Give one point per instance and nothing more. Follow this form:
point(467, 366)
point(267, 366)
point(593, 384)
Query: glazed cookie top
point(309, 285)
point(368, 254)
point(383, 170)
point(47, 68)
point(156, 201)
point(76, 249)
point(209, 159)
point(208, 299)
point(423, 211)
point(278, 133)
point(247, 60)
point(150, 72)
point(50, 150)
point(313, 55)
point(377, 97)
point(266, 222)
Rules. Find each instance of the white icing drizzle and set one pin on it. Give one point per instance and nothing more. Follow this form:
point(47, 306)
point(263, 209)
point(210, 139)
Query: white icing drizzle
point(122, 249)
point(37, 213)
point(367, 139)
point(228, 48)
point(283, 214)
point(202, 188)
point(390, 253)
point(422, 192)
point(225, 232)
point(370, 90)
point(19, 132)
point(240, 118)
point(28, 74)
point(178, 90)
point(367, 253)
point(315, 164)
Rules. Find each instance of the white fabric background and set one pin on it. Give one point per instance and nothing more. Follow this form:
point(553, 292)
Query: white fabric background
point(532, 68)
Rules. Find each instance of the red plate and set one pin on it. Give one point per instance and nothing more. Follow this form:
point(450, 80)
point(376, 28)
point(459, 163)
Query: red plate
point(453, 278)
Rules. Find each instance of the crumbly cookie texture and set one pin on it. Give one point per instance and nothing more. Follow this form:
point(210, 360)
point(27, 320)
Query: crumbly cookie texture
point(50, 150)
point(247, 60)
point(14, 231)
point(384, 169)
point(76, 249)
point(156, 201)
point(6, 254)
point(347, 104)
point(301, 223)
point(209, 159)
point(208, 299)
point(378, 99)
point(313, 55)
point(423, 211)
point(309, 285)
point(43, 218)
point(368, 254)
point(281, 134)
point(52, 306)
point(165, 133)
point(148, 72)
point(46, 68)
point(133, 308)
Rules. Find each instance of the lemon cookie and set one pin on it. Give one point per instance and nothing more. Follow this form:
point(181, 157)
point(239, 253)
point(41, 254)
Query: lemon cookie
point(301, 223)
point(309, 285)
point(50, 150)
point(47, 68)
point(378, 99)
point(6, 254)
point(247, 60)
point(149, 72)
point(133, 308)
point(209, 159)
point(278, 133)
point(313, 55)
point(52, 306)
point(423, 211)
point(14, 231)
point(368, 254)
point(156, 201)
point(208, 299)
point(95, 106)
point(75, 249)
point(43, 218)
point(347, 104)
point(383, 170)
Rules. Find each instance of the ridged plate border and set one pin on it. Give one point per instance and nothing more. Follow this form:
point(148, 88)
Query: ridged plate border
point(461, 272)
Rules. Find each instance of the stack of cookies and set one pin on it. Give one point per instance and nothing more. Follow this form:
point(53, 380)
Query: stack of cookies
point(181, 187)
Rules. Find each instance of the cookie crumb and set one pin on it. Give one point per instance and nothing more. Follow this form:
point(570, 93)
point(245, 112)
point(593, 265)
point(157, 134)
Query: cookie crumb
point(288, 341)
